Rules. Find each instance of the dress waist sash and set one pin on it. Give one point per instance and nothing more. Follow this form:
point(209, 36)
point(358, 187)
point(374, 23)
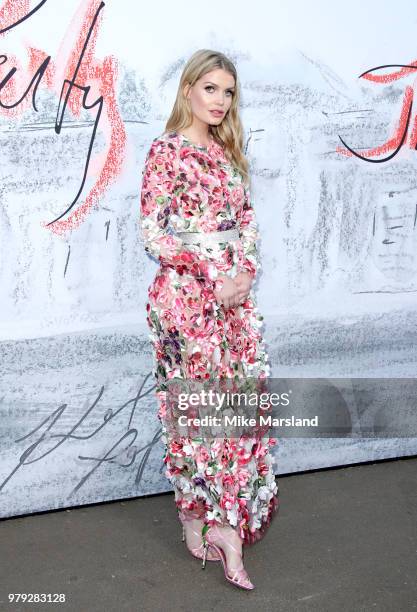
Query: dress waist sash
point(207, 237)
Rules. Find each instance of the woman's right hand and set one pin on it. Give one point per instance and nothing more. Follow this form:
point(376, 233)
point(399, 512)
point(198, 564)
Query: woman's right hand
point(228, 294)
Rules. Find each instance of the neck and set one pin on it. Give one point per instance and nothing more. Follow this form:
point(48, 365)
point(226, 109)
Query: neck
point(199, 135)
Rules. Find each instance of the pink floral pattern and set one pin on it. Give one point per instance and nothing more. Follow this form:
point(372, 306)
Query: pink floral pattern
point(188, 187)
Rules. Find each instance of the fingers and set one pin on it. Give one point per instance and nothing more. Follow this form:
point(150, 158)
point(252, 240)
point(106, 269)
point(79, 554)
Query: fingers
point(229, 302)
point(234, 299)
point(237, 300)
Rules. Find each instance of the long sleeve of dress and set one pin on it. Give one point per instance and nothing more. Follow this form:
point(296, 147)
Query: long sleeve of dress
point(158, 191)
point(249, 235)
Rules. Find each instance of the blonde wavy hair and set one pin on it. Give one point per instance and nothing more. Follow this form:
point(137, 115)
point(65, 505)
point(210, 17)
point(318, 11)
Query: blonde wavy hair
point(229, 133)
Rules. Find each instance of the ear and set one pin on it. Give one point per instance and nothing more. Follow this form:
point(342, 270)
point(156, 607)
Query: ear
point(186, 89)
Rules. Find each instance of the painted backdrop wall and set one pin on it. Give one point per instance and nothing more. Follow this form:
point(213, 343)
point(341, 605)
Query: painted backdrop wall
point(331, 133)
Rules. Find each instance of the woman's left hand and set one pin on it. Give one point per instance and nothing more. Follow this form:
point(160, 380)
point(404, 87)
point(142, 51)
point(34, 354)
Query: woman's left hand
point(243, 281)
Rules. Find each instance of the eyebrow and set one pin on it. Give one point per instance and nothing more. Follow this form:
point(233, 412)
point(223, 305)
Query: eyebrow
point(211, 83)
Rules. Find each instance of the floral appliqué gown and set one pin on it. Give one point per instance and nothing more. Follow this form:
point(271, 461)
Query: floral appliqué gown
point(188, 187)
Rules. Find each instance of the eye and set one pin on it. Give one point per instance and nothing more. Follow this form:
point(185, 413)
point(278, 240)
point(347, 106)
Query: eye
point(229, 91)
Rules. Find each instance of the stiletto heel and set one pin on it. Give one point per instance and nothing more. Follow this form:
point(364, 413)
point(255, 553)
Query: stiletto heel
point(198, 551)
point(240, 577)
point(205, 549)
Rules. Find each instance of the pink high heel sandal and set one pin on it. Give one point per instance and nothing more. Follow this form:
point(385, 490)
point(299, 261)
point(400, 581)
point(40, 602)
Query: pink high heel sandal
point(240, 577)
point(199, 550)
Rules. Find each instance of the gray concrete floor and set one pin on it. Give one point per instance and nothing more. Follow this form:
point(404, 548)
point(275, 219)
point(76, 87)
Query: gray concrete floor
point(344, 539)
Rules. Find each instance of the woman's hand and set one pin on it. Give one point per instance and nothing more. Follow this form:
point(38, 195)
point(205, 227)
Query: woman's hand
point(233, 291)
point(227, 292)
point(244, 281)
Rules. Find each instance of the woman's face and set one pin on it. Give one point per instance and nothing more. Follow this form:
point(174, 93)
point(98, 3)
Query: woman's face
point(212, 92)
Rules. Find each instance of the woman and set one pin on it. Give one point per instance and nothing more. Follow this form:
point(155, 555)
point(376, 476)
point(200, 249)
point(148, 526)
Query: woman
point(202, 312)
